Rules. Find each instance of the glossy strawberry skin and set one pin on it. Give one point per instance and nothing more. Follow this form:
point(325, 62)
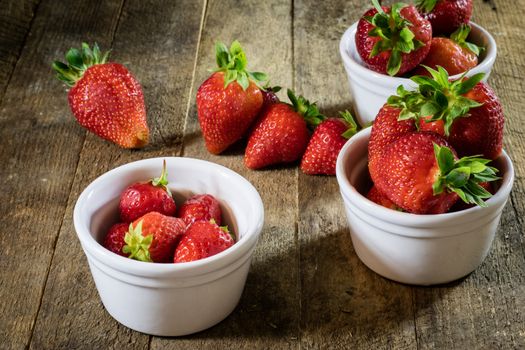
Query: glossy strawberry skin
point(167, 232)
point(141, 198)
point(324, 146)
point(386, 129)
point(448, 54)
point(114, 240)
point(109, 102)
point(202, 239)
point(225, 114)
point(377, 197)
point(481, 131)
point(365, 43)
point(280, 136)
point(448, 15)
point(201, 207)
point(408, 171)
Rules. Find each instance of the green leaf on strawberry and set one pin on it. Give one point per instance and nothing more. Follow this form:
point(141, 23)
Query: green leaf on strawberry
point(306, 109)
point(426, 5)
point(460, 36)
point(137, 246)
point(352, 125)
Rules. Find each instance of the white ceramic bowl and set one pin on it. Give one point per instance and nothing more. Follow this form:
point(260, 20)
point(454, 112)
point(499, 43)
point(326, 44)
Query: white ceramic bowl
point(170, 299)
point(370, 89)
point(411, 248)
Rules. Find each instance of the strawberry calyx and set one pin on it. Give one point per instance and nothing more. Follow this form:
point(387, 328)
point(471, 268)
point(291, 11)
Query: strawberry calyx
point(394, 33)
point(426, 5)
point(306, 109)
point(78, 61)
point(162, 180)
point(460, 37)
point(137, 246)
point(352, 125)
point(436, 98)
point(233, 63)
point(463, 176)
point(224, 229)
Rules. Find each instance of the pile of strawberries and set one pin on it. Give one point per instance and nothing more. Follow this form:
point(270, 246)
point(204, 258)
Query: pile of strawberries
point(233, 104)
point(418, 137)
point(149, 230)
point(402, 39)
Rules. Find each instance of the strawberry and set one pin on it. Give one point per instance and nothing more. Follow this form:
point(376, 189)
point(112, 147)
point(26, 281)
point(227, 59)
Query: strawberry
point(200, 207)
point(281, 134)
point(229, 100)
point(466, 111)
point(153, 237)
point(326, 142)
point(144, 197)
point(445, 16)
point(269, 96)
point(421, 174)
point(104, 97)
point(377, 197)
point(114, 240)
point(455, 55)
point(201, 240)
point(393, 40)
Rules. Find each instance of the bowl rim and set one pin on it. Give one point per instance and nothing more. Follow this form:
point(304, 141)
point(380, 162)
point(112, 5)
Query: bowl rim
point(155, 270)
point(409, 219)
point(364, 72)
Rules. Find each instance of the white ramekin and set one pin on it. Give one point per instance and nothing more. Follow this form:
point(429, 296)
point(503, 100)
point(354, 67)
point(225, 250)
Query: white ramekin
point(170, 299)
point(370, 89)
point(411, 248)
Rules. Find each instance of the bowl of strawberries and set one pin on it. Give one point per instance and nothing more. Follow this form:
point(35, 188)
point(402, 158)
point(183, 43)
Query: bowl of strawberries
point(169, 258)
point(425, 186)
point(388, 45)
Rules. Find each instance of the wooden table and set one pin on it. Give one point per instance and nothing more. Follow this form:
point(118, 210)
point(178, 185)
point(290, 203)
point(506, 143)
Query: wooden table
point(306, 287)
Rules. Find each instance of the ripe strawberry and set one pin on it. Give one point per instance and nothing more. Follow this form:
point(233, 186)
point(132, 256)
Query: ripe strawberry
point(455, 55)
point(393, 40)
point(153, 237)
point(114, 240)
point(281, 134)
point(445, 15)
point(200, 207)
point(202, 239)
point(422, 175)
point(144, 197)
point(377, 197)
point(229, 100)
point(326, 142)
point(104, 97)
point(469, 111)
point(269, 96)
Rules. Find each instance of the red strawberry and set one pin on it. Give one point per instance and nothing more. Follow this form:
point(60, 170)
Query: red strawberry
point(144, 197)
point(393, 40)
point(200, 207)
point(153, 237)
point(455, 55)
point(114, 239)
point(202, 239)
point(422, 175)
point(385, 129)
point(281, 134)
point(326, 142)
point(269, 96)
point(377, 197)
point(469, 111)
point(445, 15)
point(229, 100)
point(105, 98)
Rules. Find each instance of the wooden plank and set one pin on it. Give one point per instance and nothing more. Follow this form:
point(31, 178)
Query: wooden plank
point(15, 21)
point(268, 313)
point(40, 149)
point(158, 43)
point(344, 304)
point(486, 310)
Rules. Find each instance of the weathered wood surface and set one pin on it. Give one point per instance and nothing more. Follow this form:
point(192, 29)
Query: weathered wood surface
point(306, 287)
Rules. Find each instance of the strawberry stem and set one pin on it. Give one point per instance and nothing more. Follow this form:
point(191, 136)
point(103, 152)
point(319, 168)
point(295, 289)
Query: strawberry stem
point(137, 246)
point(352, 125)
point(78, 61)
point(460, 37)
point(463, 176)
point(306, 109)
point(162, 181)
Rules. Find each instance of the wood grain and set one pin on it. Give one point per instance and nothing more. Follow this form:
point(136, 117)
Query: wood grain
point(158, 43)
point(40, 149)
